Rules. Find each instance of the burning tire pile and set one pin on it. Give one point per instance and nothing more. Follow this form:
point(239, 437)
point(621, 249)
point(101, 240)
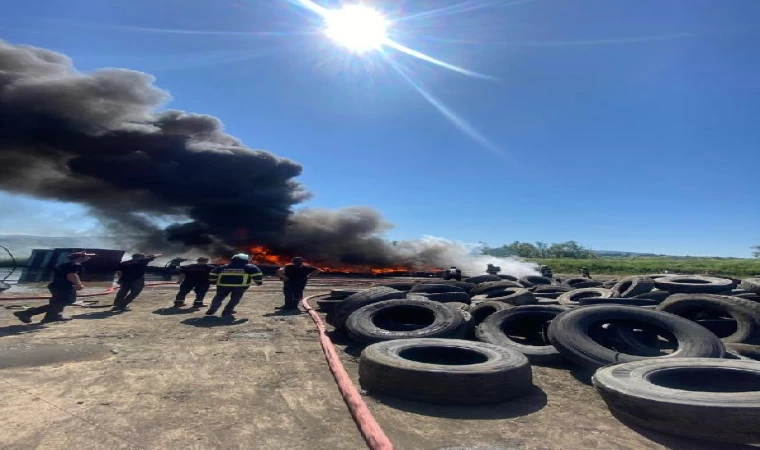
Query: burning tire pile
point(676, 354)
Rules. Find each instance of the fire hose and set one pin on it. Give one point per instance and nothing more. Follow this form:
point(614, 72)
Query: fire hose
point(373, 435)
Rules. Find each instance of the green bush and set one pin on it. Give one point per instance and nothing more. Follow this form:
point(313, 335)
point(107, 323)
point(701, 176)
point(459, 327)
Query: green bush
point(731, 267)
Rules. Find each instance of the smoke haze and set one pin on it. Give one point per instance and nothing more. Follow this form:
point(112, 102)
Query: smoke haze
point(99, 139)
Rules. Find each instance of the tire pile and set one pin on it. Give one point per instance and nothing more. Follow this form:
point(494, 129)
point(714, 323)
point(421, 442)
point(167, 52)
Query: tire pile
point(677, 354)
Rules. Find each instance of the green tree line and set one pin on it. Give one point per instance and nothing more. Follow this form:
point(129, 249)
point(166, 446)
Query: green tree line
point(569, 249)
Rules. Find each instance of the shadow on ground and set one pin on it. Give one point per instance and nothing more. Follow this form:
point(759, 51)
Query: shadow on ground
point(211, 322)
point(13, 330)
point(283, 312)
point(681, 443)
point(531, 402)
point(173, 311)
point(340, 338)
point(96, 315)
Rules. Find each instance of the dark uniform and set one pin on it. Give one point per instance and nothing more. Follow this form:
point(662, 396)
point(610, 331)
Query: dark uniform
point(232, 279)
point(585, 273)
point(132, 281)
point(63, 291)
point(493, 270)
point(453, 274)
point(196, 279)
point(297, 276)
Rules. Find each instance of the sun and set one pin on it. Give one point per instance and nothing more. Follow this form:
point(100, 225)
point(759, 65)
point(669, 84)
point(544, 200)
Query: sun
point(356, 27)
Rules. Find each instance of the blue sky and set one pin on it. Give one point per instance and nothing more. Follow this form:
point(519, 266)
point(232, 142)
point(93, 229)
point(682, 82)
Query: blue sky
point(621, 124)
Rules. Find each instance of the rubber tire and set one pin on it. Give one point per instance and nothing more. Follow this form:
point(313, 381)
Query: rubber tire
point(481, 311)
point(504, 375)
point(508, 277)
point(399, 286)
point(434, 289)
point(558, 289)
point(534, 280)
point(512, 296)
point(747, 350)
point(327, 305)
point(340, 294)
point(460, 284)
point(447, 322)
point(581, 283)
point(632, 396)
point(674, 286)
point(482, 279)
point(632, 286)
point(568, 333)
point(617, 301)
point(658, 296)
point(546, 301)
point(493, 331)
point(337, 318)
point(446, 297)
point(572, 298)
point(483, 288)
point(460, 306)
point(746, 313)
point(751, 285)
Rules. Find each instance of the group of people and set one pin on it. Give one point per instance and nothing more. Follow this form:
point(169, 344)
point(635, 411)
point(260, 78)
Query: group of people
point(232, 280)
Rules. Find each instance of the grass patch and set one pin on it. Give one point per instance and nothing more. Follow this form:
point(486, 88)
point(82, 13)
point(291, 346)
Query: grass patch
point(732, 267)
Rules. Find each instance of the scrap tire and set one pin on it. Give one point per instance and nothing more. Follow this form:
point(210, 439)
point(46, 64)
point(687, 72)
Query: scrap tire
point(400, 286)
point(512, 296)
point(489, 374)
point(644, 393)
point(508, 277)
point(632, 286)
point(434, 289)
point(457, 305)
point(581, 283)
point(751, 285)
point(328, 305)
point(558, 289)
point(568, 332)
point(534, 280)
point(494, 329)
point(482, 310)
point(658, 296)
point(746, 313)
point(699, 285)
point(571, 298)
point(446, 297)
point(339, 315)
point(460, 284)
point(362, 325)
point(482, 279)
point(746, 350)
point(483, 288)
point(617, 301)
point(340, 294)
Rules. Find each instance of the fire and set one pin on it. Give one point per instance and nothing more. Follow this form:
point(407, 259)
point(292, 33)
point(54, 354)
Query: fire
point(263, 255)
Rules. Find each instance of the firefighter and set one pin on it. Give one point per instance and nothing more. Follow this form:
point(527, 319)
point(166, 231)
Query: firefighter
point(131, 276)
point(493, 270)
point(194, 277)
point(585, 273)
point(294, 277)
point(453, 273)
point(233, 279)
point(64, 287)
point(546, 271)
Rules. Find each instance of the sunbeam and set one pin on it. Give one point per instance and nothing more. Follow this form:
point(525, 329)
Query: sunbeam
point(461, 124)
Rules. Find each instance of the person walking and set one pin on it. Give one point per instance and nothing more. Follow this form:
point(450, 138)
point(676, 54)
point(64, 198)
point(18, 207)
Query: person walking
point(131, 276)
point(294, 277)
point(64, 287)
point(233, 279)
point(194, 277)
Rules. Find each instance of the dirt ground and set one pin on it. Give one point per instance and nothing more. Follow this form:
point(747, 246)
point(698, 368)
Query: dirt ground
point(159, 378)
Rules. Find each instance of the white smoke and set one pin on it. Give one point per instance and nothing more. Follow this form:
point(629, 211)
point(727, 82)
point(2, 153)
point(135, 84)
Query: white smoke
point(443, 253)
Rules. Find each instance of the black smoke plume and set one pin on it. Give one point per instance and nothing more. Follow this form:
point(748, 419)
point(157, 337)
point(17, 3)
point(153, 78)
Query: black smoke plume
point(98, 139)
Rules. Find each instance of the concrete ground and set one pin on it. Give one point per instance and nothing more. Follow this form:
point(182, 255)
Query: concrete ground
point(160, 378)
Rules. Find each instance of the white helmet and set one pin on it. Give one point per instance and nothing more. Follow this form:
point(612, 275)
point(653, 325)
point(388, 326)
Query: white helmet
point(242, 256)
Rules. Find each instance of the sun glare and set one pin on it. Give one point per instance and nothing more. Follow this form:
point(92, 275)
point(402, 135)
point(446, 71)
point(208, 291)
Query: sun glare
point(356, 27)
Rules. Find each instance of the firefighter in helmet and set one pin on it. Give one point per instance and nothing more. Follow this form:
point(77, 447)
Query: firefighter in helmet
point(233, 279)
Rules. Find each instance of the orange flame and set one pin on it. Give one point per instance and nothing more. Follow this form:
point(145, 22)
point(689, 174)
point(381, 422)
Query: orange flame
point(263, 255)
